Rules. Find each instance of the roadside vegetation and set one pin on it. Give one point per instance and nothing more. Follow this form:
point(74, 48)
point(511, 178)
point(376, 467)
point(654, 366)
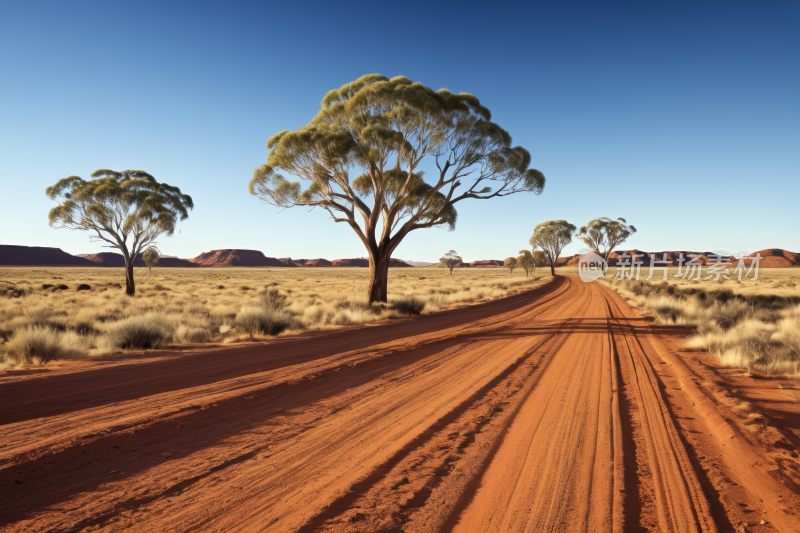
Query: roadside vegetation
point(748, 324)
point(44, 316)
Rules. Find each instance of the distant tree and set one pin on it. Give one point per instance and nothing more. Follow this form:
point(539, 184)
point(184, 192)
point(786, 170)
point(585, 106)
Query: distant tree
point(551, 237)
point(539, 259)
point(362, 156)
point(128, 210)
point(602, 235)
point(451, 260)
point(510, 263)
point(151, 258)
point(526, 262)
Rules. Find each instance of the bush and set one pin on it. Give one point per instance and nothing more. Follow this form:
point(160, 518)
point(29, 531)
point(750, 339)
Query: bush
point(269, 321)
point(137, 333)
point(84, 287)
point(187, 334)
point(62, 287)
point(47, 286)
point(408, 305)
point(38, 345)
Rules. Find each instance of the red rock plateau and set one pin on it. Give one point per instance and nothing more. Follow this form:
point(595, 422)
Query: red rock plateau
point(556, 409)
point(37, 255)
point(312, 262)
point(231, 258)
point(487, 263)
point(111, 259)
point(364, 262)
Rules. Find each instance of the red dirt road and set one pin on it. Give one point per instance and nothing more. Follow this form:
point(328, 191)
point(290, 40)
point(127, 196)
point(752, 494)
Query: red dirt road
point(554, 410)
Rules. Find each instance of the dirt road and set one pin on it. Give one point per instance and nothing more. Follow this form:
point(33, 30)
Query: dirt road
point(554, 410)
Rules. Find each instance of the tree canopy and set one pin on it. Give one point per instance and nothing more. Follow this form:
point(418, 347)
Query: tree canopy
point(361, 158)
point(510, 263)
point(151, 258)
point(451, 260)
point(602, 235)
point(526, 262)
point(127, 210)
point(551, 237)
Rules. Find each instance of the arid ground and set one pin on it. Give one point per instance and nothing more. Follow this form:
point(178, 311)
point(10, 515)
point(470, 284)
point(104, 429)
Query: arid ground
point(555, 409)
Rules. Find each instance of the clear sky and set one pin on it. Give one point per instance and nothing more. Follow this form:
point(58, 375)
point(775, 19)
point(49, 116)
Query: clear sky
point(682, 118)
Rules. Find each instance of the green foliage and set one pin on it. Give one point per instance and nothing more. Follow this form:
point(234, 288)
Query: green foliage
point(602, 235)
point(510, 263)
point(539, 258)
point(151, 257)
point(551, 237)
point(526, 262)
point(361, 157)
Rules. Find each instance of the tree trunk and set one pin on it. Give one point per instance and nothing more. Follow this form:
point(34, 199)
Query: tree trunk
point(451, 271)
point(378, 278)
point(130, 286)
point(552, 269)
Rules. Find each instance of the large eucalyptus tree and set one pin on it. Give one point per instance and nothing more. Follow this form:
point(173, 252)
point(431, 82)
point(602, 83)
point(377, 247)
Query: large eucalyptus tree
point(128, 210)
point(362, 155)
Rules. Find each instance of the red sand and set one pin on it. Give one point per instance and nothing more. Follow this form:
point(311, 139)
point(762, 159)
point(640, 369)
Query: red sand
point(557, 409)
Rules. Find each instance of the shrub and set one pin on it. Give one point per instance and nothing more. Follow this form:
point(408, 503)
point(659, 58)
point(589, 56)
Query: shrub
point(188, 334)
point(47, 286)
point(273, 299)
point(38, 345)
point(137, 333)
point(84, 287)
point(62, 287)
point(408, 305)
point(269, 321)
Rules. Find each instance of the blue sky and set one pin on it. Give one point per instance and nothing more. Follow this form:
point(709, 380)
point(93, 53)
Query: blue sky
point(682, 118)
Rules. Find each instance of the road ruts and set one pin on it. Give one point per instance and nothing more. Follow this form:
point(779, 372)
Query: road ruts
point(539, 412)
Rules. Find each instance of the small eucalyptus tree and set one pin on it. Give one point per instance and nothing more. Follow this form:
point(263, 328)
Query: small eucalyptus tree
point(539, 259)
point(552, 236)
point(128, 210)
point(451, 260)
point(151, 258)
point(510, 263)
point(602, 235)
point(362, 157)
point(526, 262)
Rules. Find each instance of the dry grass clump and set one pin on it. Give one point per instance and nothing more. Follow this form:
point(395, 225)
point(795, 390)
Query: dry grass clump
point(35, 345)
point(760, 332)
point(179, 306)
point(408, 305)
point(135, 333)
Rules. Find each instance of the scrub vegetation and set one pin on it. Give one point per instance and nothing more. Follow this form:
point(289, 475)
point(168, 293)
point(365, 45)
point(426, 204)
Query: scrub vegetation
point(44, 315)
point(748, 324)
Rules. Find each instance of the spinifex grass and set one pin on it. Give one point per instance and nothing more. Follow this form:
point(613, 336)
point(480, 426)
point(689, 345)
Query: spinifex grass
point(199, 305)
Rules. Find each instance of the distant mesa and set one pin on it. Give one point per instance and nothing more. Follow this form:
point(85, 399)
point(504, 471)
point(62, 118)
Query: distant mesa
point(113, 259)
point(364, 262)
point(487, 263)
point(312, 262)
point(11, 255)
point(233, 257)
